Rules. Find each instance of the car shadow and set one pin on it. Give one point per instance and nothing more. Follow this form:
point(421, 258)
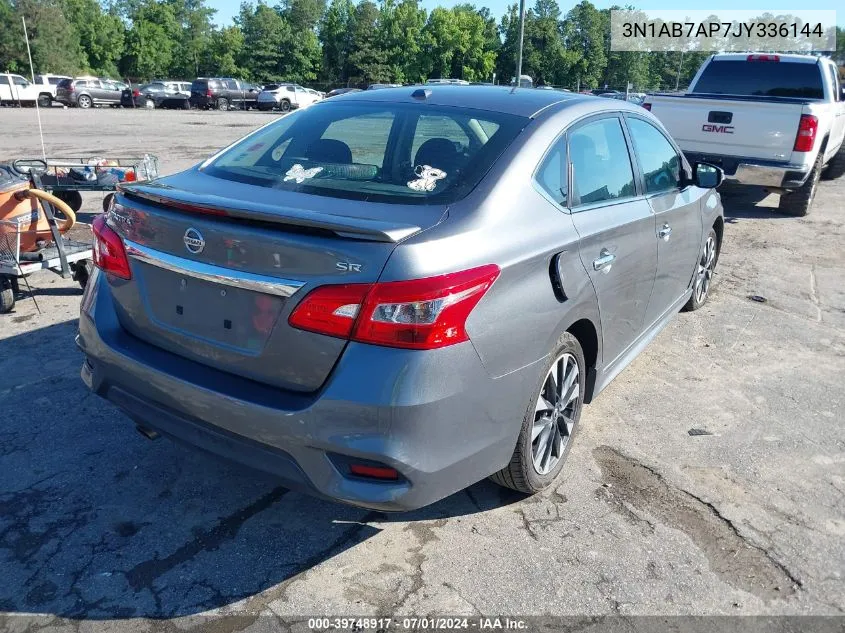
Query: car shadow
point(97, 522)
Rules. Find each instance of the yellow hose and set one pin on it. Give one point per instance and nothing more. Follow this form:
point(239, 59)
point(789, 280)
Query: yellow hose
point(61, 205)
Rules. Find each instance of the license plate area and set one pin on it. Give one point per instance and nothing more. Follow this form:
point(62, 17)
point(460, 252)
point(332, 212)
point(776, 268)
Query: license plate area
point(210, 312)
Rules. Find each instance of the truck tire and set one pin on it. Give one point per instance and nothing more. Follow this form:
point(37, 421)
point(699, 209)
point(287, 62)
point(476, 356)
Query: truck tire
point(45, 100)
point(836, 167)
point(798, 202)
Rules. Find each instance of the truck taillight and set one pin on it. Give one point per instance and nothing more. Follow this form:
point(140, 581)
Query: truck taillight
point(763, 58)
point(417, 314)
point(806, 137)
point(109, 252)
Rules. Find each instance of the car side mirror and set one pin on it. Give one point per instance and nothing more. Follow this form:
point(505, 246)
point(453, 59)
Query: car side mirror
point(707, 176)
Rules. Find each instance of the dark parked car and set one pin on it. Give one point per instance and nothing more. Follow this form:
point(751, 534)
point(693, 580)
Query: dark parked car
point(85, 92)
point(341, 91)
point(157, 94)
point(223, 94)
point(385, 298)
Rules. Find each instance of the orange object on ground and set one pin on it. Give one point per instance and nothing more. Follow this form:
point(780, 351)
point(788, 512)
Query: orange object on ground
point(30, 218)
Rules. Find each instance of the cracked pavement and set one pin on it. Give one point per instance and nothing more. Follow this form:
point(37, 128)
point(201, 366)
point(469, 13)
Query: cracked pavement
point(98, 523)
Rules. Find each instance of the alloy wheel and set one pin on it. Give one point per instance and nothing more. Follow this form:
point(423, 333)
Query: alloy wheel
point(704, 274)
point(555, 413)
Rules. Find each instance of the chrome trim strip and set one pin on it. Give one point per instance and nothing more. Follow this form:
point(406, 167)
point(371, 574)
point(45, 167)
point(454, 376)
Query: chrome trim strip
point(212, 273)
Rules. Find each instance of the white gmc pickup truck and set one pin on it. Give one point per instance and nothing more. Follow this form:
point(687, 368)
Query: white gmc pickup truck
point(777, 121)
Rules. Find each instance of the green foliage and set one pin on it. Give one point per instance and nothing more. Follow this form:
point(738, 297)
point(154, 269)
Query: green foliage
point(101, 35)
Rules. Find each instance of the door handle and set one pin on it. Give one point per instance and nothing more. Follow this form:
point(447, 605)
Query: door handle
point(604, 261)
point(665, 232)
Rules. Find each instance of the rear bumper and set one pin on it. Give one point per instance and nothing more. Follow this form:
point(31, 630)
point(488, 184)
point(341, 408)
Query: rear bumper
point(437, 417)
point(752, 171)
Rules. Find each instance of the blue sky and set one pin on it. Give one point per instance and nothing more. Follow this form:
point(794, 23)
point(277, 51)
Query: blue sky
point(226, 9)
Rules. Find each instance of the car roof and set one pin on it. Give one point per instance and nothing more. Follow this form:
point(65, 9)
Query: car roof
point(505, 99)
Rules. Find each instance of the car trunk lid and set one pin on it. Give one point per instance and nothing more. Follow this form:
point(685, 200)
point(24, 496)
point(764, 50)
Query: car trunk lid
point(215, 278)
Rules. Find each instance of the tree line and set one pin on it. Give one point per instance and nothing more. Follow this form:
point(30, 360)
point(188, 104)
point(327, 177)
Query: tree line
point(335, 43)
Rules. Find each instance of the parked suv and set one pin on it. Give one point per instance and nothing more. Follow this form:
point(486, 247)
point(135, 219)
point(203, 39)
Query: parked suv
point(393, 295)
point(223, 94)
point(286, 97)
point(157, 94)
point(47, 85)
point(85, 92)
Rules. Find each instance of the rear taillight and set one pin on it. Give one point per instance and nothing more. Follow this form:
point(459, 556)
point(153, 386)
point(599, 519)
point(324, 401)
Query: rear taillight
point(208, 94)
point(71, 88)
point(806, 137)
point(109, 253)
point(763, 58)
point(136, 93)
point(417, 314)
point(647, 106)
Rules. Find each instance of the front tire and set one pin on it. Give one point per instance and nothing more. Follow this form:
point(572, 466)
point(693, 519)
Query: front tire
point(550, 422)
point(45, 101)
point(704, 271)
point(798, 202)
point(284, 106)
point(836, 167)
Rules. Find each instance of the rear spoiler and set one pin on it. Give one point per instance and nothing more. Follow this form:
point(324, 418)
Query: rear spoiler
point(205, 204)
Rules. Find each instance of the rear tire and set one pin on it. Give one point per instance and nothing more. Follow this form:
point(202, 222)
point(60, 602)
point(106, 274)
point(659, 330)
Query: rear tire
point(149, 104)
point(84, 102)
point(531, 468)
point(81, 272)
point(7, 296)
point(222, 104)
point(836, 167)
point(798, 202)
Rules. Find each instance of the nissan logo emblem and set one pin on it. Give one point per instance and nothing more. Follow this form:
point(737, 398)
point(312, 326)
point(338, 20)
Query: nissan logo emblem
point(194, 241)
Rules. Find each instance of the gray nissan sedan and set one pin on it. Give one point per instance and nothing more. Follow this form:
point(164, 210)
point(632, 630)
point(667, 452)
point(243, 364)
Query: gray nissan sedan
point(393, 294)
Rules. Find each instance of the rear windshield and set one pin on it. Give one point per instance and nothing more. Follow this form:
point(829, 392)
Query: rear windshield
point(271, 87)
point(65, 83)
point(199, 84)
point(761, 79)
point(385, 152)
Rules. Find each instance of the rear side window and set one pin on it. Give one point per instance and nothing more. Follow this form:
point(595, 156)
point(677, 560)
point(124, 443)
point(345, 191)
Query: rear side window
point(761, 79)
point(552, 173)
point(385, 152)
point(601, 166)
point(659, 161)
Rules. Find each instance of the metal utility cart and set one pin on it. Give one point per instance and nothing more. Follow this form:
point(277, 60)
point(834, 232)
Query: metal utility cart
point(68, 177)
point(63, 255)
